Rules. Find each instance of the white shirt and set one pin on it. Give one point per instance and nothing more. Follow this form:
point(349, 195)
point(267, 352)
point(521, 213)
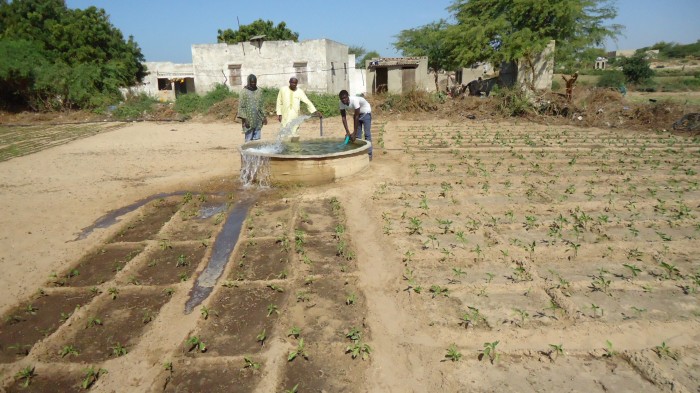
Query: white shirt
point(356, 103)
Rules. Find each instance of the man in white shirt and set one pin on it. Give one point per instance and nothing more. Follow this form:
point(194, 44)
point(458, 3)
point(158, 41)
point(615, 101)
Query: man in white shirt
point(362, 117)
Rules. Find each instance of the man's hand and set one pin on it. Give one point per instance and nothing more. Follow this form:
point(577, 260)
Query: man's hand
point(245, 124)
point(279, 117)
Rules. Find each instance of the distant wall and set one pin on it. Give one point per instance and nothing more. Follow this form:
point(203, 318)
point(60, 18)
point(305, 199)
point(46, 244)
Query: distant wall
point(321, 65)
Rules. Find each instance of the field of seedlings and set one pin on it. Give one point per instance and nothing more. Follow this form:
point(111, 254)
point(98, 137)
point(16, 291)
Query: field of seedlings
point(469, 257)
point(549, 259)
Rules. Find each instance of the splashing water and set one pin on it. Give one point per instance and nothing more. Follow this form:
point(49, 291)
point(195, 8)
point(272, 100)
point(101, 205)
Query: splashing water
point(257, 168)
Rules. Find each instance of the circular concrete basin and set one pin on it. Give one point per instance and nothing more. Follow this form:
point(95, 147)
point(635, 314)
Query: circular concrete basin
point(311, 162)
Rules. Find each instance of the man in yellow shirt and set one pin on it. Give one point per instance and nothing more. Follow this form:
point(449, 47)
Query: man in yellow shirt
point(289, 102)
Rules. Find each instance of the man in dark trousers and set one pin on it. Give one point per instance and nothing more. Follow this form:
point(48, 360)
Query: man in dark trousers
point(362, 117)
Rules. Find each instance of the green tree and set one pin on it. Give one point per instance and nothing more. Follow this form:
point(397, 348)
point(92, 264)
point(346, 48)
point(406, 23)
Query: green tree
point(428, 40)
point(19, 62)
point(637, 69)
point(504, 30)
point(260, 27)
point(81, 61)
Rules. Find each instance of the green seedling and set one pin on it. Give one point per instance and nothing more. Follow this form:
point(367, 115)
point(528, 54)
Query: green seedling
point(272, 309)
point(196, 344)
point(299, 351)
point(299, 241)
point(524, 315)
point(445, 225)
point(250, 363)
point(113, 292)
point(275, 288)
point(415, 226)
point(64, 316)
point(354, 334)
point(437, 290)
point(597, 310)
point(489, 351)
point(183, 277)
point(460, 236)
point(601, 283)
point(261, 337)
point(283, 241)
point(294, 331)
point(453, 354)
point(27, 374)
point(182, 261)
point(119, 350)
point(303, 296)
point(168, 291)
point(21, 349)
point(609, 351)
point(633, 269)
point(206, 312)
point(671, 270)
point(292, 390)
point(165, 244)
point(68, 350)
point(556, 350)
point(91, 376)
point(458, 272)
point(360, 349)
point(30, 309)
point(664, 350)
point(93, 321)
point(148, 316)
point(351, 299)
point(472, 317)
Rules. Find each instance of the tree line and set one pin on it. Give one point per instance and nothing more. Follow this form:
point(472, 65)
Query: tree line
point(53, 57)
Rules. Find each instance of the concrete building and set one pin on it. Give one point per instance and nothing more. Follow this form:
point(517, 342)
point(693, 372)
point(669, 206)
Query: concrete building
point(398, 74)
point(321, 66)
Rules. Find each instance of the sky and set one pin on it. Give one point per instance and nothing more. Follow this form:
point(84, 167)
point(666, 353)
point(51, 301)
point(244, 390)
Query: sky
point(166, 29)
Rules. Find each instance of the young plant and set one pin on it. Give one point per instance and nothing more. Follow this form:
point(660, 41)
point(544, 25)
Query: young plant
point(358, 348)
point(294, 331)
point(27, 374)
point(206, 312)
point(119, 350)
point(453, 354)
point(299, 351)
point(351, 299)
point(437, 290)
point(93, 321)
point(633, 269)
point(555, 351)
point(91, 376)
point(113, 292)
point(664, 350)
point(272, 309)
point(472, 318)
point(68, 350)
point(250, 363)
point(609, 351)
point(489, 351)
point(261, 337)
point(196, 344)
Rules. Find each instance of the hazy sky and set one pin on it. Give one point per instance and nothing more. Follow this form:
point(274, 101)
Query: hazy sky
point(166, 29)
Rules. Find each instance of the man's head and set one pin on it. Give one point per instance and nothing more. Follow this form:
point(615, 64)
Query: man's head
point(344, 97)
point(293, 82)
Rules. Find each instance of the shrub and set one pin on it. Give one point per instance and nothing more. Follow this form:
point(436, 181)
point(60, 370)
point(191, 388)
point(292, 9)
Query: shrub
point(134, 107)
point(188, 104)
point(611, 79)
point(513, 102)
point(325, 103)
point(636, 69)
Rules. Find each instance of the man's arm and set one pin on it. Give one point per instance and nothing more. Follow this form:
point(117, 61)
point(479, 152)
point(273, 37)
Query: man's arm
point(242, 106)
point(343, 114)
point(309, 105)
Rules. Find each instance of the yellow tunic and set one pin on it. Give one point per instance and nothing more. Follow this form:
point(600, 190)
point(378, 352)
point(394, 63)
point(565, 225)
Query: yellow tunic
point(289, 103)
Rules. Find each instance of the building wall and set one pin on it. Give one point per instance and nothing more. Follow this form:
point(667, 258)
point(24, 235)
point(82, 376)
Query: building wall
point(394, 66)
point(273, 64)
point(544, 69)
point(166, 70)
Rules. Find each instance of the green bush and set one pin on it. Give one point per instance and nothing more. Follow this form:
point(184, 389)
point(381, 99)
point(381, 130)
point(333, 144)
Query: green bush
point(134, 107)
point(636, 69)
point(325, 103)
point(188, 104)
point(555, 85)
point(611, 79)
point(218, 94)
point(513, 102)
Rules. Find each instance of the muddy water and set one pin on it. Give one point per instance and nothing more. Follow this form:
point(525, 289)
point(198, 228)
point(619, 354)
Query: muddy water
point(223, 247)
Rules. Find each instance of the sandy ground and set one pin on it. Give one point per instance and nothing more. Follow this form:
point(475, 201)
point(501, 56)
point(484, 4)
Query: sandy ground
point(48, 197)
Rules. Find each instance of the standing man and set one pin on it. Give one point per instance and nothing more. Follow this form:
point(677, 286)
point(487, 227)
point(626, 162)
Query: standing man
point(362, 117)
point(289, 102)
point(251, 110)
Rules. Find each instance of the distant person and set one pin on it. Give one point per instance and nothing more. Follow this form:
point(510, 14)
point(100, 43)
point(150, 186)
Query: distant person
point(289, 102)
point(251, 110)
point(361, 118)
